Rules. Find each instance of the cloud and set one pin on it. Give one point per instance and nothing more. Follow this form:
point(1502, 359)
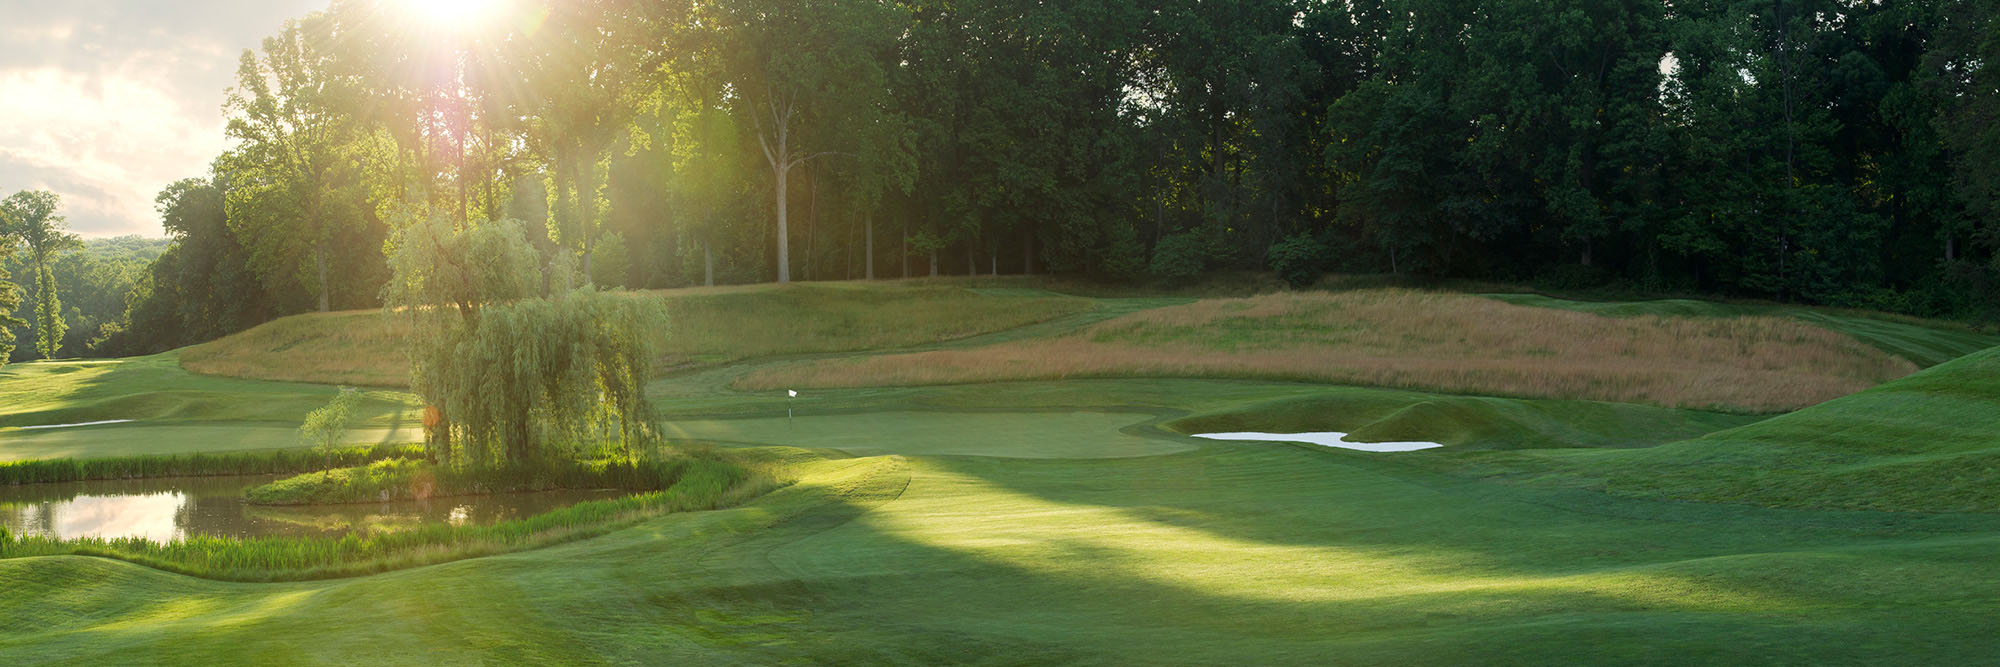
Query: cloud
point(107, 101)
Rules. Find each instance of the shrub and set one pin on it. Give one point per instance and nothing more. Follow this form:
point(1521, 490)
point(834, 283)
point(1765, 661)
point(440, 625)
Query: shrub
point(326, 427)
point(1298, 259)
point(1179, 258)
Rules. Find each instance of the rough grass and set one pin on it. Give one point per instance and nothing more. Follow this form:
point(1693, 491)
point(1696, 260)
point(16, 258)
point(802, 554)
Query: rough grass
point(705, 326)
point(1421, 340)
point(1925, 342)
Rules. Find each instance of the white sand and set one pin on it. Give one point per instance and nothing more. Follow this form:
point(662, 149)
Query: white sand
point(1325, 438)
point(107, 421)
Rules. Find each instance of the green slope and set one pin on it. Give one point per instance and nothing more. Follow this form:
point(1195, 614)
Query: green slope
point(1929, 442)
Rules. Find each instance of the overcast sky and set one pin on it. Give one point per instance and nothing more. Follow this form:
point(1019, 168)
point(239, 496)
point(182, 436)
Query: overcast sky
point(107, 101)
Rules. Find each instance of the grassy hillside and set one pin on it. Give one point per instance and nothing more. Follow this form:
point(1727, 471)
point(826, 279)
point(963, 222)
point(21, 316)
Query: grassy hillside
point(1071, 521)
point(1419, 340)
point(1925, 342)
point(1929, 442)
point(173, 411)
point(706, 325)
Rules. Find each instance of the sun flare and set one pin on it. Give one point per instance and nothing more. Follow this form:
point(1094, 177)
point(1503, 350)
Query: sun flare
point(454, 11)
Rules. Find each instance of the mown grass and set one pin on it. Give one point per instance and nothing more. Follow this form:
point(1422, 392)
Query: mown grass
point(1498, 549)
point(42, 471)
point(410, 479)
point(707, 325)
point(1238, 554)
point(1418, 340)
point(1926, 443)
point(695, 484)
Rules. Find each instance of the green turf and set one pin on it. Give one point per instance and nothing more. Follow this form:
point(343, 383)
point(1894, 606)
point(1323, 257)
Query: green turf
point(1928, 442)
point(1251, 554)
point(174, 411)
point(1071, 522)
point(1009, 434)
point(1924, 342)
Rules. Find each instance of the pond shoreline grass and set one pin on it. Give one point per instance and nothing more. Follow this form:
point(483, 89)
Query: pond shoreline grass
point(411, 479)
point(701, 484)
point(266, 462)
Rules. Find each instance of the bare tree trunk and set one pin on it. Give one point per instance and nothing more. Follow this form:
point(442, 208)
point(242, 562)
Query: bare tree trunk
point(319, 256)
point(934, 259)
point(868, 242)
point(993, 255)
point(784, 251)
point(708, 264)
point(1028, 253)
point(971, 258)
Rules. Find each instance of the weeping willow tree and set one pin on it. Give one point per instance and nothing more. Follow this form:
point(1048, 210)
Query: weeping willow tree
point(511, 376)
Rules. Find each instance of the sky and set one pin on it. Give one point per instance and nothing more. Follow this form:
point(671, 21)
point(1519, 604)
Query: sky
point(106, 102)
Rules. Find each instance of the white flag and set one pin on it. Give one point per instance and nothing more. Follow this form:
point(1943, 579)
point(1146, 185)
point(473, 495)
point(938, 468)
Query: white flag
point(792, 393)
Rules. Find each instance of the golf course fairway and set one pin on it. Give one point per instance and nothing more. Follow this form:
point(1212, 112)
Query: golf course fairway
point(1079, 522)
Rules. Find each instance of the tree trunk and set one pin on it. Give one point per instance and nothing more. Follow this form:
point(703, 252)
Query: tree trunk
point(868, 242)
point(934, 259)
point(784, 231)
point(1028, 253)
point(1950, 248)
point(971, 258)
point(993, 256)
point(319, 257)
point(707, 264)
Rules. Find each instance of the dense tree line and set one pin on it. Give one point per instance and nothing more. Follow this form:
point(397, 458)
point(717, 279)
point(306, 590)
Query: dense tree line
point(1807, 150)
point(71, 293)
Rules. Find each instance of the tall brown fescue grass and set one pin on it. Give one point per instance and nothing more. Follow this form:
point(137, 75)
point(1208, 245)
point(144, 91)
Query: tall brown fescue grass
point(1417, 340)
point(717, 325)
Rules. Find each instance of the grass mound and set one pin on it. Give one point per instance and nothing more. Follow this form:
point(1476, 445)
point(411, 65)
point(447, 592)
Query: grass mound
point(707, 326)
point(1929, 442)
point(1465, 422)
point(156, 389)
point(1925, 342)
point(1416, 340)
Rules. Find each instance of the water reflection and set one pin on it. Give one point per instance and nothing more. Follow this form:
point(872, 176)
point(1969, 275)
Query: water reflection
point(170, 508)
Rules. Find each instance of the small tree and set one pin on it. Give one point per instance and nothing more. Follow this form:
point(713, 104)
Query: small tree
point(509, 377)
point(326, 428)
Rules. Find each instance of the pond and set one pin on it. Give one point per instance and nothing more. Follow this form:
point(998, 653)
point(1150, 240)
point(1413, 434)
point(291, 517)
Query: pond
point(168, 508)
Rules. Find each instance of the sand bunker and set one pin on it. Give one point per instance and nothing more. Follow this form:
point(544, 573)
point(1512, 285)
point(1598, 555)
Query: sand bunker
point(1324, 438)
point(107, 421)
